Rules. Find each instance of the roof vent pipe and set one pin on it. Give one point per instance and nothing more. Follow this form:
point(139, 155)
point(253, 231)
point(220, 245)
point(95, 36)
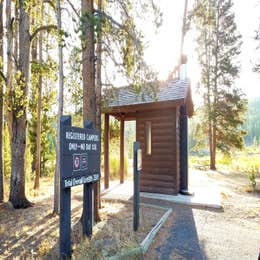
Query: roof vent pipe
point(183, 68)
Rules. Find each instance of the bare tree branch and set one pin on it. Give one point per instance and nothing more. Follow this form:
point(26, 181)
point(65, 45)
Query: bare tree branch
point(3, 76)
point(122, 4)
point(15, 61)
point(105, 15)
point(50, 3)
point(43, 28)
point(73, 8)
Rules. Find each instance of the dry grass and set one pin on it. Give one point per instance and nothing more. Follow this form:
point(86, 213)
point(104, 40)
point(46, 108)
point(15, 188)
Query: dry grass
point(250, 189)
point(246, 161)
point(225, 195)
point(34, 232)
point(46, 188)
point(114, 234)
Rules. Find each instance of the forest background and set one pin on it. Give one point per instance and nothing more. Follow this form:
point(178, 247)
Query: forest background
point(36, 93)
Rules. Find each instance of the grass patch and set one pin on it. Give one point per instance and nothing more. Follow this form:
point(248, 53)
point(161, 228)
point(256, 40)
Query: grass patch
point(114, 170)
point(114, 234)
point(247, 161)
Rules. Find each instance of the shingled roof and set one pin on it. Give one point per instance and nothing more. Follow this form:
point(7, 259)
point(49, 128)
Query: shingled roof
point(167, 91)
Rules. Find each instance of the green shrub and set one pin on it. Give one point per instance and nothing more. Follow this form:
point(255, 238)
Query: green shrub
point(246, 163)
point(224, 160)
point(199, 162)
point(252, 180)
point(115, 166)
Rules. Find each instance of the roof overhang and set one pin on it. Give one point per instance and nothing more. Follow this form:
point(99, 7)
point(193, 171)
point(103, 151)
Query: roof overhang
point(171, 95)
point(129, 111)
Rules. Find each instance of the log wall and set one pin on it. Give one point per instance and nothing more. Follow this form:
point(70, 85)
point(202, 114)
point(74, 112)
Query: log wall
point(160, 172)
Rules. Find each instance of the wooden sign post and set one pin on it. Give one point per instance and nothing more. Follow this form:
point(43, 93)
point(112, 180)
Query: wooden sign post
point(79, 165)
point(137, 169)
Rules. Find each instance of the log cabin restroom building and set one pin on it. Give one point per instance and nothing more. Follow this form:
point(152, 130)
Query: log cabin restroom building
point(162, 130)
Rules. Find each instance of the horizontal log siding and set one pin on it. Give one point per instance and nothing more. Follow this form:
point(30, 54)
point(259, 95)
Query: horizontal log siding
point(160, 173)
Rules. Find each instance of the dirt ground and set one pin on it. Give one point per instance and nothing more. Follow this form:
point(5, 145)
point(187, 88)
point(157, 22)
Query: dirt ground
point(189, 233)
point(233, 233)
point(34, 232)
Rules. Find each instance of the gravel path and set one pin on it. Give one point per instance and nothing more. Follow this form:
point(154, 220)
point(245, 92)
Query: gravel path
point(202, 234)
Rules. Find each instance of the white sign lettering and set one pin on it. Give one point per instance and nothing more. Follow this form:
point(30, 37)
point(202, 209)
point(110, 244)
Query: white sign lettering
point(75, 136)
point(78, 181)
point(93, 138)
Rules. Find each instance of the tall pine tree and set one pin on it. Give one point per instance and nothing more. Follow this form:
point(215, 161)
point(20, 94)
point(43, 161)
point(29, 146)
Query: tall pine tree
point(2, 79)
point(257, 38)
point(219, 47)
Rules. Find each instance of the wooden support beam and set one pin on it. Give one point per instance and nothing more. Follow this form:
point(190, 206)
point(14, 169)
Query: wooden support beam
point(122, 155)
point(106, 151)
point(184, 150)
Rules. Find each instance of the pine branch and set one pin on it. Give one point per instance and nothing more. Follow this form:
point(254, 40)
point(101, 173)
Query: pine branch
point(3, 76)
point(122, 27)
point(43, 28)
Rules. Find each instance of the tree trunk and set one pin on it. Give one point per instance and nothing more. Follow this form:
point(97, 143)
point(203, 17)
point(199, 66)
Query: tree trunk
point(211, 147)
point(215, 94)
point(60, 111)
point(99, 89)
point(9, 74)
point(212, 164)
point(88, 74)
point(18, 145)
point(88, 62)
point(209, 96)
point(33, 60)
point(38, 133)
point(19, 123)
point(213, 156)
point(98, 73)
point(16, 36)
point(1, 106)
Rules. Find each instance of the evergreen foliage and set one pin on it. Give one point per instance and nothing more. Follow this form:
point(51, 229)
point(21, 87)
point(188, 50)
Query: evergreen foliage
point(256, 67)
point(122, 46)
point(218, 49)
point(252, 124)
point(47, 71)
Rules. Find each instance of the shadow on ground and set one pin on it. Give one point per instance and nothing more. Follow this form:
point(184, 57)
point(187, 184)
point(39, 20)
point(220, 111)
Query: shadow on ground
point(182, 241)
point(24, 231)
point(34, 233)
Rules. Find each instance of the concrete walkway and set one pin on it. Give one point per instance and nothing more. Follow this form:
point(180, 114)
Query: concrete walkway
point(206, 193)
